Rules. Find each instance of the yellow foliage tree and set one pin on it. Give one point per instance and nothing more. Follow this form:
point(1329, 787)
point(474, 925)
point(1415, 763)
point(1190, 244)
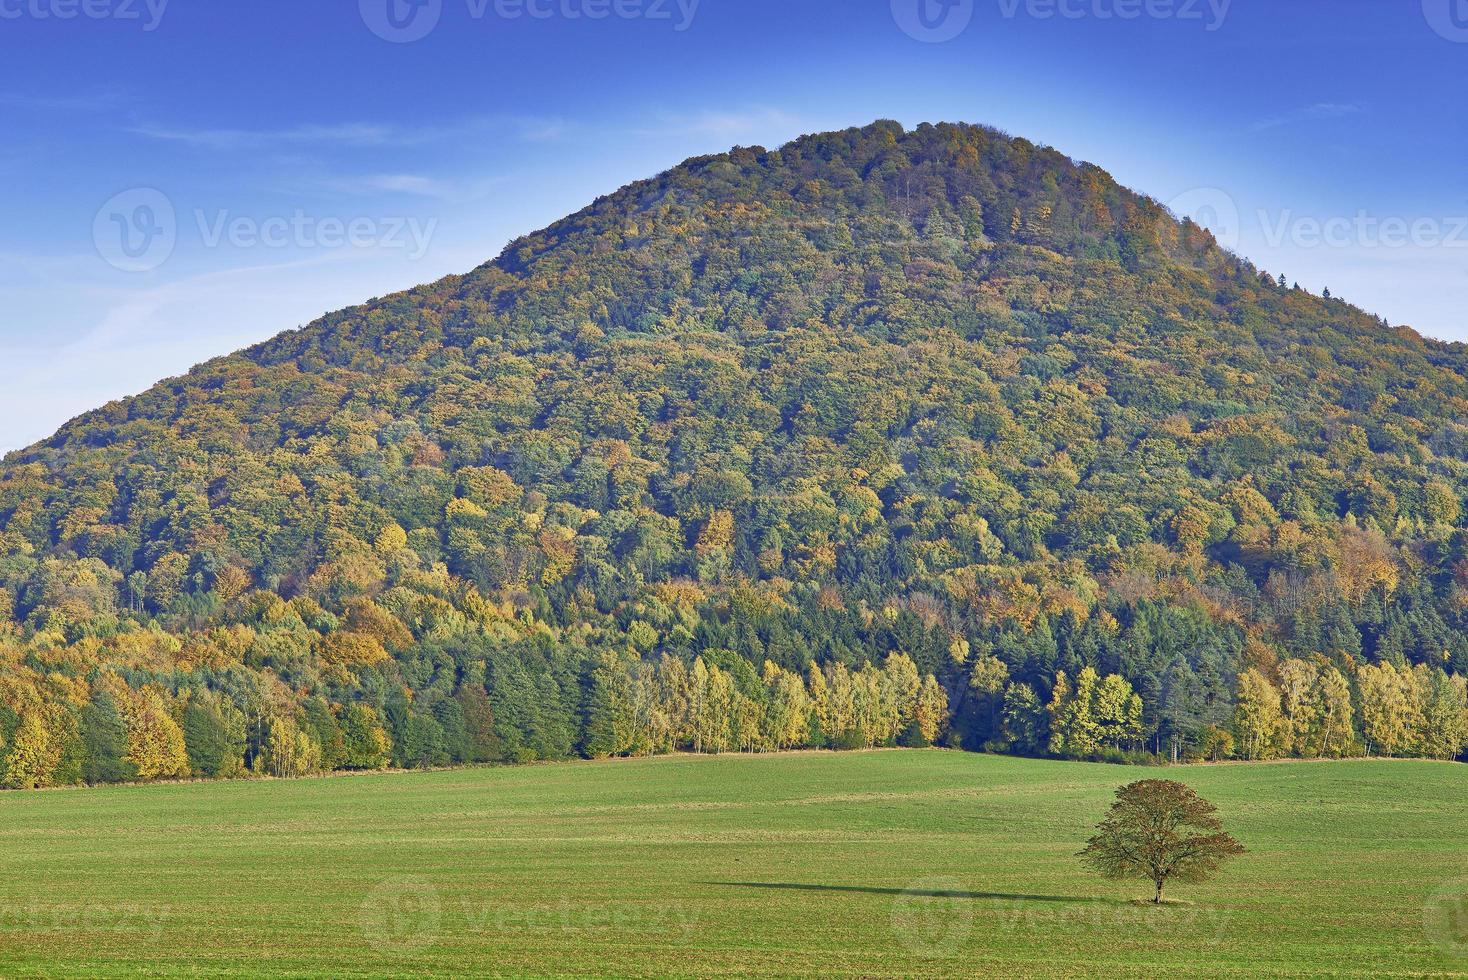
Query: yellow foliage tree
point(931, 711)
point(348, 649)
point(155, 743)
point(1258, 721)
point(33, 754)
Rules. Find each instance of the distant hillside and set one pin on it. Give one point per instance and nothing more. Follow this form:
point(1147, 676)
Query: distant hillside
point(944, 393)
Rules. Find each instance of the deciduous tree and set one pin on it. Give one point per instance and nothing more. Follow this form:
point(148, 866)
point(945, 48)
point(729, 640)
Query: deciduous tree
point(1160, 830)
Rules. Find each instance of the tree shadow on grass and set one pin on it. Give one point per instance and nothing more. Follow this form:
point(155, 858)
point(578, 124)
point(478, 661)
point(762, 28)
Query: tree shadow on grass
point(924, 892)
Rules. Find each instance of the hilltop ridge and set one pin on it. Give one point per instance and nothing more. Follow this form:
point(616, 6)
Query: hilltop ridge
point(944, 393)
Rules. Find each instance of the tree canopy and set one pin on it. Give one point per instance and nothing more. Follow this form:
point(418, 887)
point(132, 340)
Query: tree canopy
point(942, 393)
point(1160, 830)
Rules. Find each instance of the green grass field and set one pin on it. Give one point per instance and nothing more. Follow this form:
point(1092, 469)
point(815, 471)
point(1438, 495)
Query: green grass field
point(888, 863)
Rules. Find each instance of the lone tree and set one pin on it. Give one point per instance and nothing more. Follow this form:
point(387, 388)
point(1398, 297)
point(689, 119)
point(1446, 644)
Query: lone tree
point(1160, 830)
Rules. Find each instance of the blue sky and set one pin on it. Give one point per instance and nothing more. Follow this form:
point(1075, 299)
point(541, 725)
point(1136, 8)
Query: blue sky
point(184, 177)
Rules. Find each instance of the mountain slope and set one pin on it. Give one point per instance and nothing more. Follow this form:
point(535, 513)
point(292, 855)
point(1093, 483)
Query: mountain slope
point(943, 392)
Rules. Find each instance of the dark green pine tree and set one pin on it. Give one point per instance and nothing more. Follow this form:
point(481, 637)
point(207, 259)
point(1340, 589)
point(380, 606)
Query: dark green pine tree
point(482, 743)
point(205, 737)
point(599, 738)
point(423, 744)
point(104, 740)
point(455, 735)
point(327, 731)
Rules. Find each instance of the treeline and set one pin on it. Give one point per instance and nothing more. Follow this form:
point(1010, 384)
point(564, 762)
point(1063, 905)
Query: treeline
point(1309, 709)
point(122, 734)
point(1305, 709)
point(118, 733)
point(665, 707)
point(476, 700)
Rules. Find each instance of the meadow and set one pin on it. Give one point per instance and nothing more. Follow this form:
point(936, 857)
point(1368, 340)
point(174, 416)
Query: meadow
point(895, 863)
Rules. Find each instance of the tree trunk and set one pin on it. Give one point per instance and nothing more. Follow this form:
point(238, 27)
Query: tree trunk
point(1158, 899)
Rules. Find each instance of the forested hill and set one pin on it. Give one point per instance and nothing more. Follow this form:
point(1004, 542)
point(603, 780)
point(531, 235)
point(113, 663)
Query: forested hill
point(881, 436)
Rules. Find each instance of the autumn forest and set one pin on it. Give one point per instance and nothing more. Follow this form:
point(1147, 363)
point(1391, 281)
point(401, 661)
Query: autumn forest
point(885, 437)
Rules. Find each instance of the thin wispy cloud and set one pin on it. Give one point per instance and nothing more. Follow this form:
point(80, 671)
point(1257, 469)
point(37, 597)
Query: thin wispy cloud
point(1319, 111)
point(36, 267)
point(533, 130)
point(97, 100)
point(345, 134)
point(411, 185)
point(143, 334)
point(353, 134)
point(373, 184)
point(725, 125)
